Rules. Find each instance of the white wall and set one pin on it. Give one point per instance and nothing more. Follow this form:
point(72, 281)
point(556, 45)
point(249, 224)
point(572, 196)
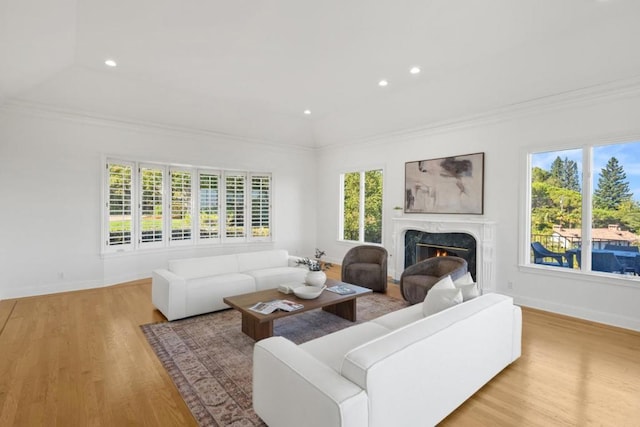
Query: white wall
point(504, 139)
point(50, 187)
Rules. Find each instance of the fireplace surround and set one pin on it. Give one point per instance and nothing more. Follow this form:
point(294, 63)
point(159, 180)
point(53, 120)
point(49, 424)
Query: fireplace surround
point(481, 232)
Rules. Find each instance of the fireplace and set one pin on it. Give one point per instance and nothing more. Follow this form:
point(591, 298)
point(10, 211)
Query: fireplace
point(417, 237)
point(420, 245)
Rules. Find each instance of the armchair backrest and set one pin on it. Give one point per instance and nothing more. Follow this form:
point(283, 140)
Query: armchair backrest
point(366, 253)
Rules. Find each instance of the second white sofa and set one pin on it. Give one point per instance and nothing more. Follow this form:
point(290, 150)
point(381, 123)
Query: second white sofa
point(195, 286)
point(401, 369)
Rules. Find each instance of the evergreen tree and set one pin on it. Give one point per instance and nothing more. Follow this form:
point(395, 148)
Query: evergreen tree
point(572, 180)
point(557, 172)
point(613, 189)
point(564, 174)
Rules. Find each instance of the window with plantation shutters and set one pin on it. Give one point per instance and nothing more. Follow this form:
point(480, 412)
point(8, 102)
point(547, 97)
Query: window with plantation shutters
point(180, 205)
point(209, 198)
point(260, 206)
point(235, 185)
point(154, 205)
point(151, 204)
point(119, 204)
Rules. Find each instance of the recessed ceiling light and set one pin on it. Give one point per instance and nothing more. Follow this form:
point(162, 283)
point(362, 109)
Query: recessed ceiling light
point(110, 63)
point(415, 70)
point(383, 83)
point(307, 112)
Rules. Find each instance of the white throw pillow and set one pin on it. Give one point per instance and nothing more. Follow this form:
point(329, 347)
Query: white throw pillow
point(444, 283)
point(464, 280)
point(469, 291)
point(439, 299)
point(468, 287)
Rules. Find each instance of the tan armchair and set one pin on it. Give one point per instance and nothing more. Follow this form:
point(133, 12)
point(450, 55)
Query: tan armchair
point(366, 266)
point(418, 278)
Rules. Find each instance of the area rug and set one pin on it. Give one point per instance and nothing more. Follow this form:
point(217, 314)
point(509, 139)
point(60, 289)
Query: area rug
point(210, 359)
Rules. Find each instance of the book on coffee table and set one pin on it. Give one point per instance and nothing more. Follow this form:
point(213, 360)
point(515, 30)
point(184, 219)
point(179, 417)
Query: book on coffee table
point(277, 304)
point(341, 289)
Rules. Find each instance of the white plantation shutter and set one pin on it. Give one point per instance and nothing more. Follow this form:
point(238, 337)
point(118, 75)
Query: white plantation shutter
point(154, 205)
point(209, 198)
point(119, 224)
point(260, 206)
point(235, 195)
point(181, 221)
point(151, 204)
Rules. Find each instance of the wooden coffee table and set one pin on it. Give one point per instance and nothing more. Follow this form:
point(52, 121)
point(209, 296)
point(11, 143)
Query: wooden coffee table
point(259, 326)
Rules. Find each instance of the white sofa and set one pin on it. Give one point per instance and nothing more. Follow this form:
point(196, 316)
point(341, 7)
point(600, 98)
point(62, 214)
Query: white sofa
point(401, 369)
point(197, 285)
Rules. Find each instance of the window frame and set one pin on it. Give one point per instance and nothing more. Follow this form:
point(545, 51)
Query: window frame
point(588, 173)
point(166, 242)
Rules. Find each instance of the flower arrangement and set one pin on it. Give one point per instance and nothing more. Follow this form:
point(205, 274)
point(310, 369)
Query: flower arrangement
point(315, 264)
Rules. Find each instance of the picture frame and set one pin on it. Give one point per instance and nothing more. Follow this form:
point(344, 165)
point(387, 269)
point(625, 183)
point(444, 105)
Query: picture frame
point(446, 185)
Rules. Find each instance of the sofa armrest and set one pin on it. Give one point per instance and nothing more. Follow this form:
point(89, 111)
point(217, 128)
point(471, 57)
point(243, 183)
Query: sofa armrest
point(292, 388)
point(169, 293)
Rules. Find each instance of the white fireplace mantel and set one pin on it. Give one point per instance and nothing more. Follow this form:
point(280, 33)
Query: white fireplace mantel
point(482, 230)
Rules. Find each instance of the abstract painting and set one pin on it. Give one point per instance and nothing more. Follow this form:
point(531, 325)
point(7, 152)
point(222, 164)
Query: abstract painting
point(452, 185)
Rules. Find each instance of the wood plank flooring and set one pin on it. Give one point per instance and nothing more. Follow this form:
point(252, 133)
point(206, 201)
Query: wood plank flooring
point(80, 359)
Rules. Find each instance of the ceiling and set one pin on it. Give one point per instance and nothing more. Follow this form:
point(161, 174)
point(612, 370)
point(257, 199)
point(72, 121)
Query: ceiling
point(250, 68)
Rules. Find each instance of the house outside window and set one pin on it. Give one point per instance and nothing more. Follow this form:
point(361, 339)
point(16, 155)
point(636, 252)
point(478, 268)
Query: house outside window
point(586, 224)
point(361, 206)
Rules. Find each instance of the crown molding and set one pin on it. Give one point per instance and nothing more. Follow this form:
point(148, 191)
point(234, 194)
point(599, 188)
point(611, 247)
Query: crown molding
point(24, 107)
point(564, 100)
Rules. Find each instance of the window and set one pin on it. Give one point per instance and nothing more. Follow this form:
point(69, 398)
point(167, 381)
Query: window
point(586, 224)
point(159, 205)
point(180, 205)
point(235, 198)
point(260, 206)
point(209, 196)
point(119, 204)
point(361, 219)
point(151, 212)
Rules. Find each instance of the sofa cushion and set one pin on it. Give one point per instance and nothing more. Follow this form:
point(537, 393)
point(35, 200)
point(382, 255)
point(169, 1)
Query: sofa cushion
point(399, 318)
point(249, 261)
point(469, 291)
point(440, 299)
point(270, 278)
point(205, 294)
point(466, 279)
point(444, 283)
point(331, 349)
point(378, 351)
point(205, 266)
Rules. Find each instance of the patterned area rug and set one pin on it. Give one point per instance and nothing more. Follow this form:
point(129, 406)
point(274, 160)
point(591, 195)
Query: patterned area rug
point(210, 359)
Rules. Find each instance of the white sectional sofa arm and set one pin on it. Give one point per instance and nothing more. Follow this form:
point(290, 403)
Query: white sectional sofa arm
point(169, 294)
point(308, 393)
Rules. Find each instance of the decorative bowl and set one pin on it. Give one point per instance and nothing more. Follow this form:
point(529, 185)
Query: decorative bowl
point(308, 292)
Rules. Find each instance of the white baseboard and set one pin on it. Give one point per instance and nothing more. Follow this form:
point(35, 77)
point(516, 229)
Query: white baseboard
point(606, 318)
point(56, 288)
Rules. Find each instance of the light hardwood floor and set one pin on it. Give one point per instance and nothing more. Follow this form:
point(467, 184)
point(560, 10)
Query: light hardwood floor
point(80, 359)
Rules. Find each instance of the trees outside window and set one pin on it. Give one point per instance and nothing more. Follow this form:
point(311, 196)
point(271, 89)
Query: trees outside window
point(361, 219)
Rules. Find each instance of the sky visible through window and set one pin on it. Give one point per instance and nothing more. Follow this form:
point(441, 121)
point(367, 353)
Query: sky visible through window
point(628, 155)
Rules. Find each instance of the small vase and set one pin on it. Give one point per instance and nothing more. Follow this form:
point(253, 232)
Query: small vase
point(315, 278)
